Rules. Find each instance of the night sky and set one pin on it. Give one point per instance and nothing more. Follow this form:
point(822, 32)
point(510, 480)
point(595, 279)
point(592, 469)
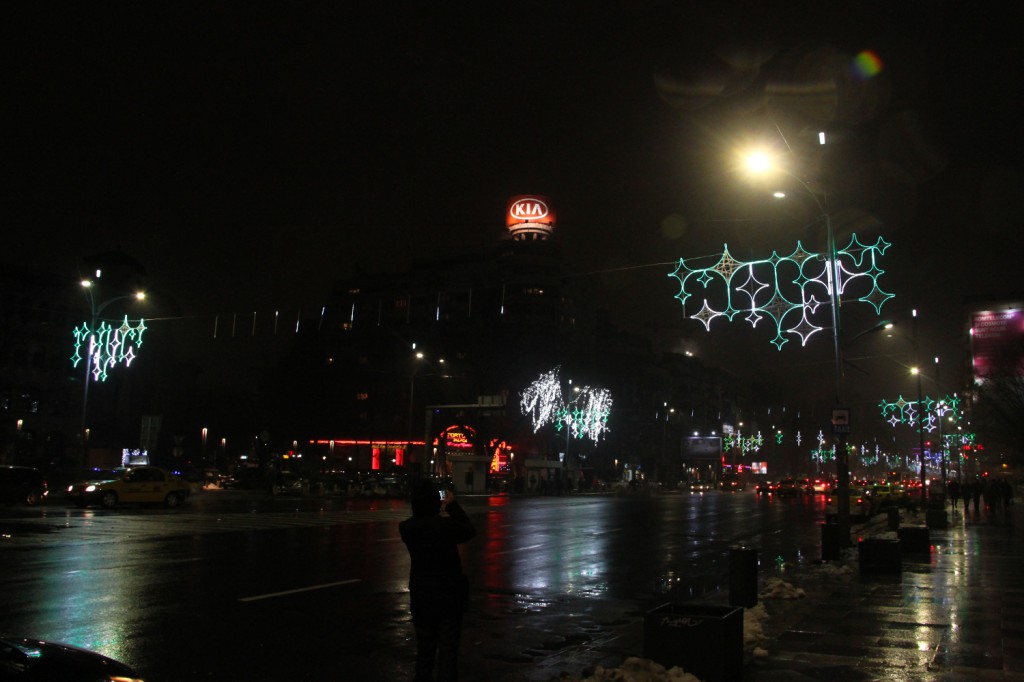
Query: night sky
point(248, 156)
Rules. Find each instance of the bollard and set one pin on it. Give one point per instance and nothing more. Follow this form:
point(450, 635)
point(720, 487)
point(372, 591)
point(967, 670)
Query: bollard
point(830, 541)
point(893, 518)
point(743, 577)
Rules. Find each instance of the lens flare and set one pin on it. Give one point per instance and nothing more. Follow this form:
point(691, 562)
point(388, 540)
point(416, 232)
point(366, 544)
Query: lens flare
point(867, 64)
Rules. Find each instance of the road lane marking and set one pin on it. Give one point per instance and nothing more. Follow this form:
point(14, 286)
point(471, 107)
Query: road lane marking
point(271, 595)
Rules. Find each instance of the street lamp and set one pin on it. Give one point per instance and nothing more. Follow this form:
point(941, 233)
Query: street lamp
point(762, 163)
point(417, 359)
point(95, 311)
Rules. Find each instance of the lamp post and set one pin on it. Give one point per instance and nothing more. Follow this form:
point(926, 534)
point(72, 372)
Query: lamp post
point(418, 358)
point(761, 163)
point(95, 311)
point(412, 389)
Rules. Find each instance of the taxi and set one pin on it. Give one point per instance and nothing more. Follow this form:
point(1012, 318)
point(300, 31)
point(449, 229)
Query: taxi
point(134, 485)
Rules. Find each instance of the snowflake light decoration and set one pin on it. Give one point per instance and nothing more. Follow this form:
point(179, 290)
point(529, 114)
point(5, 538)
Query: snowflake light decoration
point(107, 346)
point(787, 290)
point(586, 415)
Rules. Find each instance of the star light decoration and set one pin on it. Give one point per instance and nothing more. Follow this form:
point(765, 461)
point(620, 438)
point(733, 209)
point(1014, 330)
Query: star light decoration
point(746, 445)
point(586, 415)
point(788, 290)
point(909, 412)
point(106, 346)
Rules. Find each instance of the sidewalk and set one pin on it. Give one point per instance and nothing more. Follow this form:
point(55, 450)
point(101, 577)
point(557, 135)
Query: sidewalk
point(955, 612)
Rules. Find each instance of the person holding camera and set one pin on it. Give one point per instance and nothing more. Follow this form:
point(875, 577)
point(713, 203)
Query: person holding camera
point(438, 588)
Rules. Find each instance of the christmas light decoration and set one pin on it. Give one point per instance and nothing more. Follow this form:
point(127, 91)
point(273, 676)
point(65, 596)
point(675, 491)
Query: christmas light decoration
point(909, 412)
point(744, 445)
point(586, 415)
point(107, 346)
point(788, 290)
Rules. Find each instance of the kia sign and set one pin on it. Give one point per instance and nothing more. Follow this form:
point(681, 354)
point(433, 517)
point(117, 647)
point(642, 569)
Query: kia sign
point(529, 216)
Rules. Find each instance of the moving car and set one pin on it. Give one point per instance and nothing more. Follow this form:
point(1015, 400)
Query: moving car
point(888, 495)
point(862, 507)
point(22, 658)
point(788, 486)
point(140, 485)
point(22, 484)
point(765, 487)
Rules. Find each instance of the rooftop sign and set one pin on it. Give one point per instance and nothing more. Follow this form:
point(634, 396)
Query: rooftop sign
point(529, 216)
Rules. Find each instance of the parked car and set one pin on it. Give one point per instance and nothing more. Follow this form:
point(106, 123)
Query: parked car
point(22, 484)
point(27, 659)
point(139, 485)
point(289, 483)
point(862, 507)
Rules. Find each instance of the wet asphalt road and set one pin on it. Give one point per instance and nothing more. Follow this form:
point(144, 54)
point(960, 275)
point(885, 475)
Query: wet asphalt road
point(238, 586)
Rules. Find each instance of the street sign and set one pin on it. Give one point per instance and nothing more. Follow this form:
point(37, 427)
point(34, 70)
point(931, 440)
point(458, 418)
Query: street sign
point(840, 420)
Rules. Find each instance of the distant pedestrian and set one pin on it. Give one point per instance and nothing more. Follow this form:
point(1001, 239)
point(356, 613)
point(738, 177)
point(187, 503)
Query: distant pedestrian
point(976, 489)
point(954, 492)
point(967, 490)
point(438, 589)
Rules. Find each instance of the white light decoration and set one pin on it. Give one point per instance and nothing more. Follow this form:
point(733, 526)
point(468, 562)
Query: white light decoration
point(107, 346)
point(787, 289)
point(586, 415)
point(542, 399)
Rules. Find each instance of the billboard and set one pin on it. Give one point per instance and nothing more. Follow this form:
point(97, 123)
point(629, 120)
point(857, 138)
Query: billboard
point(529, 216)
point(696, 447)
point(997, 337)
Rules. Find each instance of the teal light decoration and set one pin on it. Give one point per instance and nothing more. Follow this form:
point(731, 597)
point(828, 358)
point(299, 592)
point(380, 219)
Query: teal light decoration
point(787, 290)
point(924, 415)
point(107, 346)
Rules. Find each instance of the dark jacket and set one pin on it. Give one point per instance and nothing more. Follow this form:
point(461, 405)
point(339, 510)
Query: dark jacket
point(436, 580)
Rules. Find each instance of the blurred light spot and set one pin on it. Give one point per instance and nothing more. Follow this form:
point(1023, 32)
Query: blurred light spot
point(673, 226)
point(867, 64)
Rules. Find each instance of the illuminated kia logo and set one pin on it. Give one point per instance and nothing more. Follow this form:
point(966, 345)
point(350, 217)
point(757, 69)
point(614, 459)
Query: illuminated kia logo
point(529, 209)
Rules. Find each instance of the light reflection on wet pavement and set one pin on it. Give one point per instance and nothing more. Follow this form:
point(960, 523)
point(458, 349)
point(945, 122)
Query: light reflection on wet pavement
point(955, 613)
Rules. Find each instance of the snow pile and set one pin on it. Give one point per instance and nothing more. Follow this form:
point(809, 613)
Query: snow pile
point(640, 670)
point(777, 588)
point(834, 570)
point(753, 628)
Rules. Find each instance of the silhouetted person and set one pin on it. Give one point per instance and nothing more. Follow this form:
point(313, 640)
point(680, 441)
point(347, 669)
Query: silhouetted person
point(967, 490)
point(438, 589)
point(954, 492)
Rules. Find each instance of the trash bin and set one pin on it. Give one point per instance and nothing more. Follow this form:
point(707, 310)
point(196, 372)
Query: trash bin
point(880, 555)
point(705, 640)
point(743, 577)
point(830, 541)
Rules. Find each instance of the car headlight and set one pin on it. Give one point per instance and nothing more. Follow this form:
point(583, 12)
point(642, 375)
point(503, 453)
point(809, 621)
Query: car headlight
point(90, 488)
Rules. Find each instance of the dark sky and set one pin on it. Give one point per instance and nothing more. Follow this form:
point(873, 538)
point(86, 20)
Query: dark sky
point(249, 155)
